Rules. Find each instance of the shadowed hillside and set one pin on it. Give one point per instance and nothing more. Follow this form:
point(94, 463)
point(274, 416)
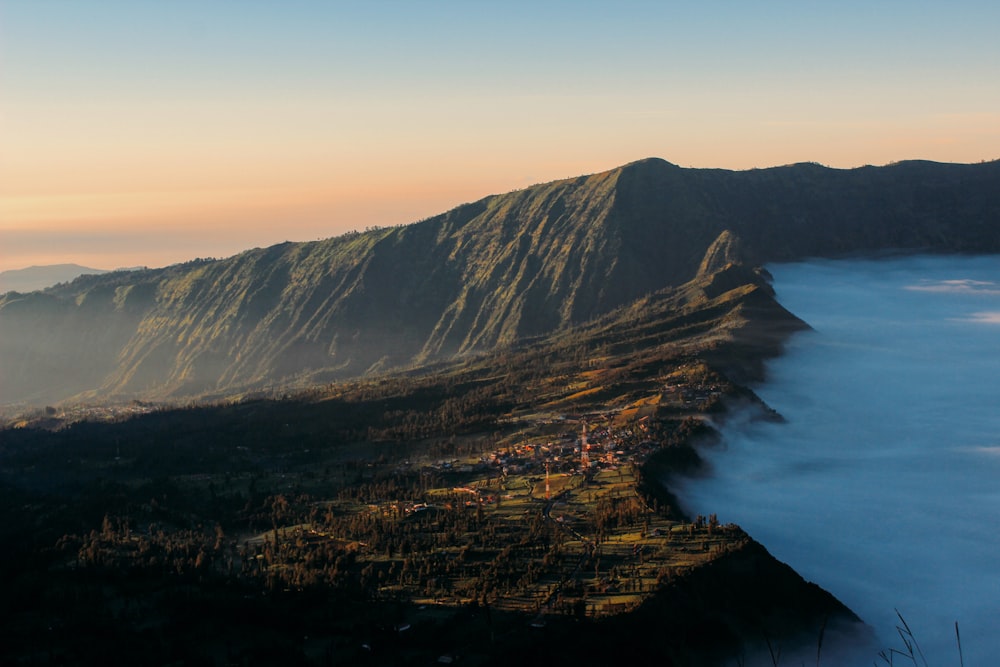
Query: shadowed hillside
point(477, 278)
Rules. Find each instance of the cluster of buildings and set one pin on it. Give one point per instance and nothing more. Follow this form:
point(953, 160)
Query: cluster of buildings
point(588, 450)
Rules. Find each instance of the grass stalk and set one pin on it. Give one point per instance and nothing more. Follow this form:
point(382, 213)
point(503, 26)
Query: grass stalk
point(958, 640)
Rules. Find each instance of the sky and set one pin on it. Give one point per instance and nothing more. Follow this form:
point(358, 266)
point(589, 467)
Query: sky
point(146, 132)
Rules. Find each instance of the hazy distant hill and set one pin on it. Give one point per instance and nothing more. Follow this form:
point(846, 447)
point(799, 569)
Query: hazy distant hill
point(483, 275)
point(39, 277)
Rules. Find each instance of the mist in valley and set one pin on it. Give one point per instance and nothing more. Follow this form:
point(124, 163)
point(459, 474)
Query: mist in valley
point(882, 485)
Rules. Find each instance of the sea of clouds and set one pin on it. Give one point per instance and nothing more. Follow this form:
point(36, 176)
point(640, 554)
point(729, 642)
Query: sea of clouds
point(883, 484)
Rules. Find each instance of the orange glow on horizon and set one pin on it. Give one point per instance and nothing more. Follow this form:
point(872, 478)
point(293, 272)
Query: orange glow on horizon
point(219, 207)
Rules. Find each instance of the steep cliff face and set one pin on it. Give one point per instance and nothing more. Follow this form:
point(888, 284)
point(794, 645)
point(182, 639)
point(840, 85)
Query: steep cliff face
point(483, 275)
point(479, 276)
point(806, 210)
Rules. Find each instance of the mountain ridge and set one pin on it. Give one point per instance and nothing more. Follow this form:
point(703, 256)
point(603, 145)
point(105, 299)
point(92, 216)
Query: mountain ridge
point(481, 276)
point(34, 278)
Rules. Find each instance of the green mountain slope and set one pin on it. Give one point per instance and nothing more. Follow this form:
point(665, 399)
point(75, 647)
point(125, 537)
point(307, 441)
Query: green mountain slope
point(477, 278)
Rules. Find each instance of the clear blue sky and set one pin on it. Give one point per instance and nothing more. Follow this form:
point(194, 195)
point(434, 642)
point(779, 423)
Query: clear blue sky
point(149, 132)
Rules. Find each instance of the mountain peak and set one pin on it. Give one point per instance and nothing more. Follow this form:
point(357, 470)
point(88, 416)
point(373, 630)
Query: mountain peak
point(479, 277)
point(39, 277)
point(650, 163)
point(723, 252)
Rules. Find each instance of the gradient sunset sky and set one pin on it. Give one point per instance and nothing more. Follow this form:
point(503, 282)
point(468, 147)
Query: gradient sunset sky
point(148, 132)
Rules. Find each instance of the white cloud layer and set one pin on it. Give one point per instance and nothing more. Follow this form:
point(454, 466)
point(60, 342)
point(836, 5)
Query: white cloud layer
point(984, 317)
point(960, 286)
point(881, 484)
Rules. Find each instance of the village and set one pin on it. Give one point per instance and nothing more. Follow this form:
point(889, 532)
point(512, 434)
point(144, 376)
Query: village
point(550, 522)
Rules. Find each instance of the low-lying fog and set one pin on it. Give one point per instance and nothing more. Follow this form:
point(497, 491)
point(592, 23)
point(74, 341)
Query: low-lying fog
point(884, 485)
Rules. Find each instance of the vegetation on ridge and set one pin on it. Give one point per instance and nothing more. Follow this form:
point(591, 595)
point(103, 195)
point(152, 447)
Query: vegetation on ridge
point(480, 277)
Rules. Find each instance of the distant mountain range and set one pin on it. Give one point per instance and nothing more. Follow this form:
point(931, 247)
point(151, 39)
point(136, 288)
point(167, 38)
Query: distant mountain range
point(39, 277)
point(481, 277)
